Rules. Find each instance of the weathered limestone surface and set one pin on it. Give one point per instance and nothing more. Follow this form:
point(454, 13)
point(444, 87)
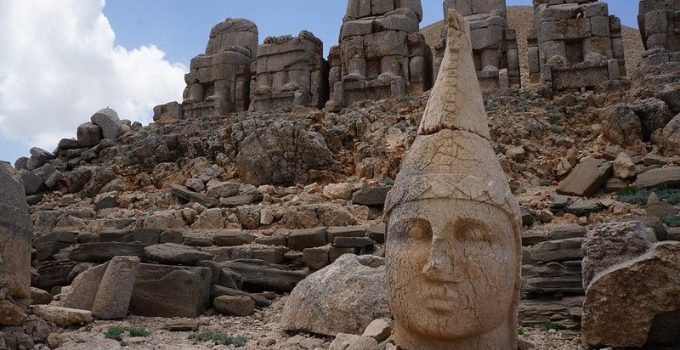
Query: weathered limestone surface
point(652, 281)
point(289, 71)
point(494, 44)
point(15, 236)
point(219, 80)
point(341, 298)
point(453, 228)
point(614, 243)
point(381, 52)
point(113, 295)
point(575, 44)
point(156, 292)
point(659, 24)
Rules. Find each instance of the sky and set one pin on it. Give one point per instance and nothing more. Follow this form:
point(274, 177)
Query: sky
point(64, 60)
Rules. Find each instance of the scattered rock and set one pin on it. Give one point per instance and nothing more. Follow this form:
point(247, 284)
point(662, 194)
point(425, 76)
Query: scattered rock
point(107, 119)
point(614, 243)
point(373, 196)
point(587, 178)
point(184, 193)
point(62, 316)
point(353, 342)
point(379, 330)
point(113, 294)
point(344, 297)
point(175, 254)
point(656, 207)
point(624, 167)
point(338, 191)
point(669, 177)
point(234, 305)
point(89, 134)
point(40, 297)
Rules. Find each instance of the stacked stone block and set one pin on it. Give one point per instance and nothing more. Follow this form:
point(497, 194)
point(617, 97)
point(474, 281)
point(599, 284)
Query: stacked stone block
point(289, 71)
point(576, 44)
point(381, 52)
point(659, 22)
point(219, 80)
point(494, 44)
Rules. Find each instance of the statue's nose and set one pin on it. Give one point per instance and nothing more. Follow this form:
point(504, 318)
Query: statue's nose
point(439, 266)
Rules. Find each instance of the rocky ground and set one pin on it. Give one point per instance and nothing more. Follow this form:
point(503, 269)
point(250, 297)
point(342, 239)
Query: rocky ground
point(261, 330)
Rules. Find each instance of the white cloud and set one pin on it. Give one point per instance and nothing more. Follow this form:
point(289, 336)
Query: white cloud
point(59, 65)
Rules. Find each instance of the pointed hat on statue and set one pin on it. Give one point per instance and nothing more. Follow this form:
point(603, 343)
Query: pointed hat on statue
point(452, 157)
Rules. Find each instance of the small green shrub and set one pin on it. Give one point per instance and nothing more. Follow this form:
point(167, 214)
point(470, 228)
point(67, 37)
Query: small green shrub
point(554, 114)
point(219, 338)
point(491, 105)
point(551, 325)
point(523, 105)
point(116, 333)
point(672, 220)
point(639, 196)
point(520, 331)
point(387, 181)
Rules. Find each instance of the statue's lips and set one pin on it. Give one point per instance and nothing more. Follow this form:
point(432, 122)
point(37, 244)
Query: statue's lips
point(443, 297)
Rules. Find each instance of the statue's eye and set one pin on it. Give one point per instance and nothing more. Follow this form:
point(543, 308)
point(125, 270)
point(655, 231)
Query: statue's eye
point(467, 230)
point(419, 230)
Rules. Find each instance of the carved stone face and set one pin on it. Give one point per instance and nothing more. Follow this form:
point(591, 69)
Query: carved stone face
point(451, 267)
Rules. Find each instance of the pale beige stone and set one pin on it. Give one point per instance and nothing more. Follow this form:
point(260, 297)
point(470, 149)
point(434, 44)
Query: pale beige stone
point(62, 316)
point(453, 228)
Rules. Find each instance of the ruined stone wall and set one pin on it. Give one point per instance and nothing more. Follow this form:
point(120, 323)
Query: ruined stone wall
point(494, 44)
point(219, 80)
point(577, 44)
point(289, 71)
point(381, 52)
point(659, 22)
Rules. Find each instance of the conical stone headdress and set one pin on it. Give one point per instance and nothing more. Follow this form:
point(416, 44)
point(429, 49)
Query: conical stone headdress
point(452, 157)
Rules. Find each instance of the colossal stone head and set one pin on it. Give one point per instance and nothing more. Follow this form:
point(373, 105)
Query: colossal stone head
point(453, 241)
point(233, 33)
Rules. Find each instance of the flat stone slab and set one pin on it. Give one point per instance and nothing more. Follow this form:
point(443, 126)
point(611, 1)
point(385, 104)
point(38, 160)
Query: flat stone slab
point(659, 177)
point(587, 178)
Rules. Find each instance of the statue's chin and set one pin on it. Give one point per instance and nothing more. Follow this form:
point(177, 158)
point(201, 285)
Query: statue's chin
point(436, 324)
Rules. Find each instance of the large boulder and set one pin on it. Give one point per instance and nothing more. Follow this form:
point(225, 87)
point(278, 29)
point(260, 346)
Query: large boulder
point(89, 134)
point(15, 234)
point(344, 297)
point(614, 243)
point(108, 120)
point(587, 178)
point(84, 288)
point(636, 303)
point(38, 158)
point(171, 291)
point(113, 295)
point(280, 153)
